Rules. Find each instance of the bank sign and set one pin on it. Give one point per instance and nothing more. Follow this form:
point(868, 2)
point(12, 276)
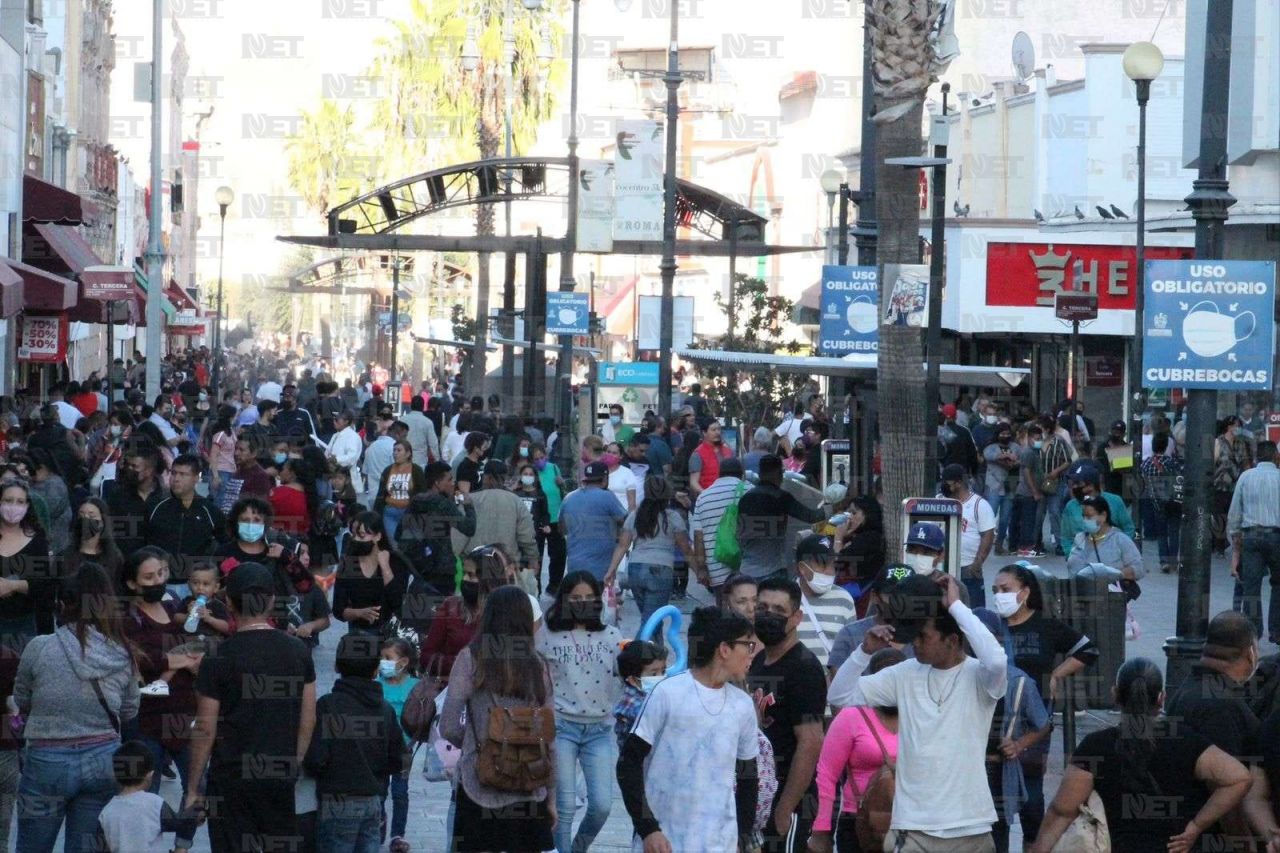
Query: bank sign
point(1209, 324)
point(850, 311)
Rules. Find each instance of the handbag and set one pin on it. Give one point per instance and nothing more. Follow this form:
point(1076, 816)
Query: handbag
point(420, 708)
point(1088, 833)
point(875, 801)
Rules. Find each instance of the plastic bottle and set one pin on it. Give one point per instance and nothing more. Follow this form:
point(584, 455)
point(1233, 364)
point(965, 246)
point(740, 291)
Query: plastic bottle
point(193, 621)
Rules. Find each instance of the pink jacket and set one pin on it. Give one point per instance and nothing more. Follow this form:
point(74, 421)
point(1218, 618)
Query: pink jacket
point(849, 744)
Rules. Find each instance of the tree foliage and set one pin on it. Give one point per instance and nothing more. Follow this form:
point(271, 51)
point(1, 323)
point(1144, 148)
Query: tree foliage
point(325, 161)
point(749, 393)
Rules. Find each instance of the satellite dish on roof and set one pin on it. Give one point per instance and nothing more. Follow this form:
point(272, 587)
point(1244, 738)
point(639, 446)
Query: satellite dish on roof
point(1024, 56)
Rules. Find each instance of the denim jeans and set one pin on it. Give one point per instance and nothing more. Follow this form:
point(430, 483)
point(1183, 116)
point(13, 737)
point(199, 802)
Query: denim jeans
point(1260, 554)
point(1002, 506)
point(1164, 525)
point(398, 788)
point(391, 517)
point(1053, 505)
point(977, 590)
point(8, 792)
point(651, 584)
point(348, 824)
point(595, 747)
point(63, 783)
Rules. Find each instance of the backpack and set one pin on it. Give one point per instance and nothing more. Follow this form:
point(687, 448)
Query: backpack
point(515, 755)
point(875, 802)
point(728, 552)
point(420, 709)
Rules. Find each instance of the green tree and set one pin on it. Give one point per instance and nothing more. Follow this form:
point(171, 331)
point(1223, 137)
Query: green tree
point(749, 393)
point(905, 38)
point(434, 109)
point(324, 157)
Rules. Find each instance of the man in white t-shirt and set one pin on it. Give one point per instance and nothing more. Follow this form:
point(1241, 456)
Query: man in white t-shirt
point(977, 531)
point(790, 430)
point(945, 703)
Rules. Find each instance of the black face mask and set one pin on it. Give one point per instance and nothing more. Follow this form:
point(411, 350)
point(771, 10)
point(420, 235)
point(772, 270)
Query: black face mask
point(770, 628)
point(584, 612)
point(1078, 493)
point(359, 548)
point(152, 593)
point(90, 527)
point(1003, 440)
point(471, 592)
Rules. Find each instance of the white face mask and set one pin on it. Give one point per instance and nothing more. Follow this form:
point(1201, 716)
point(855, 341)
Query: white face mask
point(1007, 604)
point(821, 583)
point(921, 564)
point(526, 479)
point(990, 419)
point(648, 682)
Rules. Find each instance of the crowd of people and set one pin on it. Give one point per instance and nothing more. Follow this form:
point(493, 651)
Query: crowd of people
point(169, 565)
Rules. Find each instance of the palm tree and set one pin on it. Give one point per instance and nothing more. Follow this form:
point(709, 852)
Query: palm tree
point(323, 155)
point(904, 64)
point(436, 108)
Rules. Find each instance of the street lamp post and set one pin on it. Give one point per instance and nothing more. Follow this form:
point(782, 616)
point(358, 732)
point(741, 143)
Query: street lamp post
point(564, 363)
point(668, 265)
point(1143, 63)
point(155, 242)
point(1208, 201)
point(224, 195)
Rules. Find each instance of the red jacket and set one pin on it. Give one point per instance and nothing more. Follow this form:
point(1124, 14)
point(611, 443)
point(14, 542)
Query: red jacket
point(710, 462)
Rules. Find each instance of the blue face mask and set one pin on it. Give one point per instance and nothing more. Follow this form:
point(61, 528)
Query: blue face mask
point(250, 531)
point(1037, 444)
point(281, 458)
point(1091, 525)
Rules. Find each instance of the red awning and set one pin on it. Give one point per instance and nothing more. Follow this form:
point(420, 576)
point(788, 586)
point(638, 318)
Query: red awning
point(60, 245)
point(11, 288)
point(179, 297)
point(43, 291)
point(46, 202)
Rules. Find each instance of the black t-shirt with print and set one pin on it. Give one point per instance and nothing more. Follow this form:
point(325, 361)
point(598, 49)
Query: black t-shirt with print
point(469, 472)
point(799, 690)
point(1039, 641)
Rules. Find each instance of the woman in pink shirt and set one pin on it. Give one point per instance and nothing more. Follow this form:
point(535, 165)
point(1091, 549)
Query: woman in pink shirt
point(852, 750)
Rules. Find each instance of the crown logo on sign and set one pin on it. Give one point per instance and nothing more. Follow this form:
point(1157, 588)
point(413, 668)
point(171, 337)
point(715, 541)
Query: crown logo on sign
point(1161, 321)
point(1050, 259)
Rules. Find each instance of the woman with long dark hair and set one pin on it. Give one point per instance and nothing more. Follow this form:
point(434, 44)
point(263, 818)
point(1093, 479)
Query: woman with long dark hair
point(582, 653)
point(370, 584)
point(500, 669)
point(295, 501)
point(401, 480)
point(652, 533)
point(49, 484)
point(74, 687)
point(860, 548)
point(27, 586)
point(456, 619)
point(1161, 786)
point(221, 451)
point(91, 540)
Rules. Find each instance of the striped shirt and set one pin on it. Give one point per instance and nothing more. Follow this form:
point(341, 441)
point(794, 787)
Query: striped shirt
point(1256, 500)
point(831, 611)
point(707, 512)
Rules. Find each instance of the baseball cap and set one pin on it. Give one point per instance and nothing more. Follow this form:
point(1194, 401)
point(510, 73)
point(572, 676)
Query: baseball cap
point(949, 410)
point(813, 547)
point(249, 577)
point(1117, 425)
point(927, 535)
point(909, 604)
point(1084, 472)
point(594, 472)
point(953, 472)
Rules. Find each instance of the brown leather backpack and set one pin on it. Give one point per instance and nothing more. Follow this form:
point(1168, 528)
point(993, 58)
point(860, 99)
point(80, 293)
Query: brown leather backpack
point(515, 754)
point(875, 802)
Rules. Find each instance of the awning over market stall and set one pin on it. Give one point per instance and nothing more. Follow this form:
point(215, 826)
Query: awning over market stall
point(43, 291)
point(858, 366)
point(11, 290)
point(140, 279)
point(46, 202)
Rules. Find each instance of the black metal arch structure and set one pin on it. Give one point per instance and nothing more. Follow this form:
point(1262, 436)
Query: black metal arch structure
point(392, 206)
point(329, 275)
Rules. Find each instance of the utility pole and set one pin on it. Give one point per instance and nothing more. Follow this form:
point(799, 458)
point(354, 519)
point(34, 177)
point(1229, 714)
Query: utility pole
point(155, 246)
point(1209, 201)
point(564, 363)
point(937, 259)
point(668, 265)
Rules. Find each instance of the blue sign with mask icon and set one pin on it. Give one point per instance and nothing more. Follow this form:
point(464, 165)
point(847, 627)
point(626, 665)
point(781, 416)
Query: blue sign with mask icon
point(568, 313)
point(1209, 324)
point(849, 311)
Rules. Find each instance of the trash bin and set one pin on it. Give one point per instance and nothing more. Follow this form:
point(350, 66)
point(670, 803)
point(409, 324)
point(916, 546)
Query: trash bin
point(1098, 612)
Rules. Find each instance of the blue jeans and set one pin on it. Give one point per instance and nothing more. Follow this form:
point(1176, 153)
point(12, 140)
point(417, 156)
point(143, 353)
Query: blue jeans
point(1260, 555)
point(398, 788)
point(977, 591)
point(594, 746)
point(1164, 526)
point(1002, 506)
point(651, 584)
point(391, 520)
point(1054, 504)
point(63, 783)
point(348, 824)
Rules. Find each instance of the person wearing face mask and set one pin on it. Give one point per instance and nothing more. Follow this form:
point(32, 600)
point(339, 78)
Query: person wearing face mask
point(1036, 642)
point(581, 654)
point(641, 665)
point(827, 608)
point(1213, 700)
point(91, 540)
point(1085, 481)
point(977, 531)
point(925, 553)
point(503, 518)
point(528, 489)
point(1101, 544)
point(396, 675)
point(370, 583)
point(1113, 480)
point(183, 523)
point(454, 623)
point(985, 425)
point(623, 483)
point(613, 429)
point(1232, 456)
point(704, 461)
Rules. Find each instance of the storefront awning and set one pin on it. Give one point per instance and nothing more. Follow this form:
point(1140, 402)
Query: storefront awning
point(11, 288)
point(43, 291)
point(46, 202)
point(178, 295)
point(140, 278)
point(64, 244)
point(856, 367)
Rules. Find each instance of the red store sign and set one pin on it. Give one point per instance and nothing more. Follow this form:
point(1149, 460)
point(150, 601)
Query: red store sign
point(43, 339)
point(1032, 274)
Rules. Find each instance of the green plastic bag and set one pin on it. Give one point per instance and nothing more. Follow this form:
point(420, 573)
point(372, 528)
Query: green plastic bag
point(728, 552)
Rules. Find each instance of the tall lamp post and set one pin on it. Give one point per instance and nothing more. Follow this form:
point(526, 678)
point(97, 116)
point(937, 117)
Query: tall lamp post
point(224, 195)
point(668, 265)
point(1143, 63)
point(835, 186)
point(564, 363)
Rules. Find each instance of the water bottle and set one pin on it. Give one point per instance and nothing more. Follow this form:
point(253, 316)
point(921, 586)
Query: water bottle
point(193, 621)
point(838, 519)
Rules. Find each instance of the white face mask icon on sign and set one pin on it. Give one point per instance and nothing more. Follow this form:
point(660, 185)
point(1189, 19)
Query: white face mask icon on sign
point(862, 315)
point(1209, 333)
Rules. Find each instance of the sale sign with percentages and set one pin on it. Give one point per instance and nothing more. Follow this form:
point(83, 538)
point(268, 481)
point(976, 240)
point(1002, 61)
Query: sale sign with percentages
point(43, 339)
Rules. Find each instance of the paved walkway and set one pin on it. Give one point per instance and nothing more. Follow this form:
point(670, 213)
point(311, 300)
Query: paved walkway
point(429, 802)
